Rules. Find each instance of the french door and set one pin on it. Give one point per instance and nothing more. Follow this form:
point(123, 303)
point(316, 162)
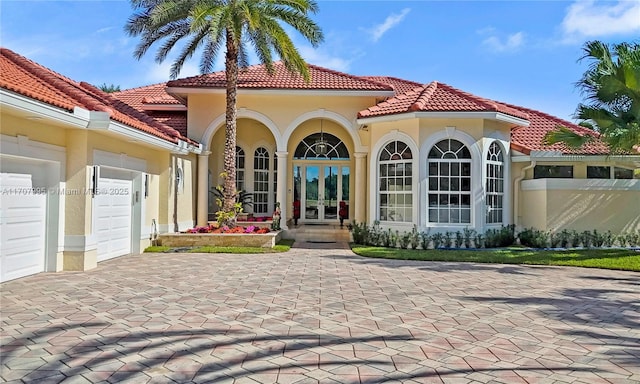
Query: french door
point(321, 187)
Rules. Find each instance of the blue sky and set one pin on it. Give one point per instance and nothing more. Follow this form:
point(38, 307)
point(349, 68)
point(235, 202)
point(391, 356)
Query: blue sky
point(522, 52)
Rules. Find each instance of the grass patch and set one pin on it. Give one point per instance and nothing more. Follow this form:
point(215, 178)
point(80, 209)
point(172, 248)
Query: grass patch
point(283, 245)
point(621, 259)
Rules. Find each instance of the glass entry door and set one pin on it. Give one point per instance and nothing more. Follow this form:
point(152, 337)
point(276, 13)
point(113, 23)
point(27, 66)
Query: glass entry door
point(321, 188)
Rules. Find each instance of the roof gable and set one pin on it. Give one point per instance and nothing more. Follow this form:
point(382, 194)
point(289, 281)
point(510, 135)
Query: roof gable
point(438, 97)
point(257, 77)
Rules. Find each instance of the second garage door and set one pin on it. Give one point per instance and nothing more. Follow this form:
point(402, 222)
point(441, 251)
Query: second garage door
point(113, 217)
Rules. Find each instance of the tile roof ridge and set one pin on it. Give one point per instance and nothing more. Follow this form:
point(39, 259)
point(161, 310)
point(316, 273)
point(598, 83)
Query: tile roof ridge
point(492, 105)
point(58, 81)
point(424, 95)
point(142, 87)
point(350, 76)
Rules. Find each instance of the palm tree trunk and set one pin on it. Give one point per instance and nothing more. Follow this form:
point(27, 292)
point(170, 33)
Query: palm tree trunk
point(231, 69)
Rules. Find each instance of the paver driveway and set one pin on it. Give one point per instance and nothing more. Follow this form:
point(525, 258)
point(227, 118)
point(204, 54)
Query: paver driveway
point(320, 316)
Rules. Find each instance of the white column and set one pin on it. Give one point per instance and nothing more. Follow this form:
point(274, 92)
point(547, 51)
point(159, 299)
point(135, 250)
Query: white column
point(203, 189)
point(281, 193)
point(361, 187)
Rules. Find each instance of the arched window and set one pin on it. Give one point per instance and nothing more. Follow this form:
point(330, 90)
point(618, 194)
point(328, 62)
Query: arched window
point(449, 164)
point(494, 184)
point(396, 182)
point(333, 148)
point(261, 180)
point(240, 169)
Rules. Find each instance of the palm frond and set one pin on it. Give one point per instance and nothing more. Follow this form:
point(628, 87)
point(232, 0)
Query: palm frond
point(568, 137)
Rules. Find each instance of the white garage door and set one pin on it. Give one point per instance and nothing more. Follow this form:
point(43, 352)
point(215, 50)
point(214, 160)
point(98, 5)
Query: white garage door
point(113, 218)
point(22, 227)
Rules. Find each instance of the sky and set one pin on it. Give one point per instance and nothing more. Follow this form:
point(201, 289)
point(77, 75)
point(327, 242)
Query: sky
point(522, 52)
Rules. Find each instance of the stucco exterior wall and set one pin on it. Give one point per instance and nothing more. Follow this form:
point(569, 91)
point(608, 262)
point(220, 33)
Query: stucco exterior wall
point(77, 232)
point(581, 204)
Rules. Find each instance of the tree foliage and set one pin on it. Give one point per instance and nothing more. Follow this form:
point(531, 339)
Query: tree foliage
point(232, 26)
point(611, 86)
point(110, 88)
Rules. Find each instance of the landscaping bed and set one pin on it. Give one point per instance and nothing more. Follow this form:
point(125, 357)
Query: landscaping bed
point(254, 239)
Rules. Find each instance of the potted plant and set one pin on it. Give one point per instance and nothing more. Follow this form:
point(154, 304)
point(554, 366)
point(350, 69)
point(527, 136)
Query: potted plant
point(296, 211)
point(343, 212)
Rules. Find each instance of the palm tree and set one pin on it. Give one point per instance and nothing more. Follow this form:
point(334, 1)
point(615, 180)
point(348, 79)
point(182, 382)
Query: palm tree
point(611, 85)
point(214, 25)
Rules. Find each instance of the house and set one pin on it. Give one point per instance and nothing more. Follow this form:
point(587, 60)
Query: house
point(390, 150)
point(84, 177)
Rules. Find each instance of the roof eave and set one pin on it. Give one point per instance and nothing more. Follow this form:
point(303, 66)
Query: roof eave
point(499, 116)
point(182, 92)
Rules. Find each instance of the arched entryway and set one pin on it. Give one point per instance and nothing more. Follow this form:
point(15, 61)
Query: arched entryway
point(321, 178)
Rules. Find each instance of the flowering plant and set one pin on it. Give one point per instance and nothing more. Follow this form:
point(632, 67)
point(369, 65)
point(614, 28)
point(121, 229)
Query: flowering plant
point(225, 229)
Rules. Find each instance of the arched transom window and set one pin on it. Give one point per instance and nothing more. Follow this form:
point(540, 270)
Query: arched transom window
point(396, 182)
point(240, 169)
point(495, 184)
point(261, 180)
point(310, 148)
point(449, 164)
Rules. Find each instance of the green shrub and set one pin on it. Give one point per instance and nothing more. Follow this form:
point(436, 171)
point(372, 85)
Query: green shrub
point(425, 240)
point(503, 237)
point(534, 238)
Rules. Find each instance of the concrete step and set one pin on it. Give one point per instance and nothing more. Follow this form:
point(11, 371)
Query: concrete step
point(318, 233)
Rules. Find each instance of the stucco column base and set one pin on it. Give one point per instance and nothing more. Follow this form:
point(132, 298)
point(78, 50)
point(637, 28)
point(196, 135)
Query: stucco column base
point(80, 261)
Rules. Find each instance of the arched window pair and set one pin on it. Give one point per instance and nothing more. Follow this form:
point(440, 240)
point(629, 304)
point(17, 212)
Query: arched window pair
point(449, 197)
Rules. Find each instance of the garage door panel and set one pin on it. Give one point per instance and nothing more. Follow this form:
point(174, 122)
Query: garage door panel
point(22, 227)
point(113, 218)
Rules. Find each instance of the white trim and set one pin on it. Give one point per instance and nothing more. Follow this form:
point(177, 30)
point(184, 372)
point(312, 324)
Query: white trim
point(120, 161)
point(39, 109)
point(280, 92)
point(350, 126)
point(22, 148)
point(164, 107)
point(93, 120)
point(242, 113)
point(374, 179)
point(477, 189)
point(445, 115)
point(581, 185)
point(558, 156)
point(506, 167)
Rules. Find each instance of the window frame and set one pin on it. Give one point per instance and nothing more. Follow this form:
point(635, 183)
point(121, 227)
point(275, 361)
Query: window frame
point(443, 176)
point(495, 184)
point(407, 176)
point(261, 177)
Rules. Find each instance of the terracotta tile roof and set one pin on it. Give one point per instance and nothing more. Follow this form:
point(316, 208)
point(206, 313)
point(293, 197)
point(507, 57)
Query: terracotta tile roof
point(527, 139)
point(438, 97)
point(176, 120)
point(257, 77)
point(150, 94)
point(25, 77)
point(145, 98)
point(400, 86)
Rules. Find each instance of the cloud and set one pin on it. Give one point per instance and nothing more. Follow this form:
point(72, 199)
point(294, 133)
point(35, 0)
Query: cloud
point(512, 43)
point(324, 59)
point(591, 19)
point(158, 73)
point(391, 21)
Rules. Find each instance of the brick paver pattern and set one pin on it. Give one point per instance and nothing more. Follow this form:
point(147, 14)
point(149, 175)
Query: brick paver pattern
point(320, 316)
